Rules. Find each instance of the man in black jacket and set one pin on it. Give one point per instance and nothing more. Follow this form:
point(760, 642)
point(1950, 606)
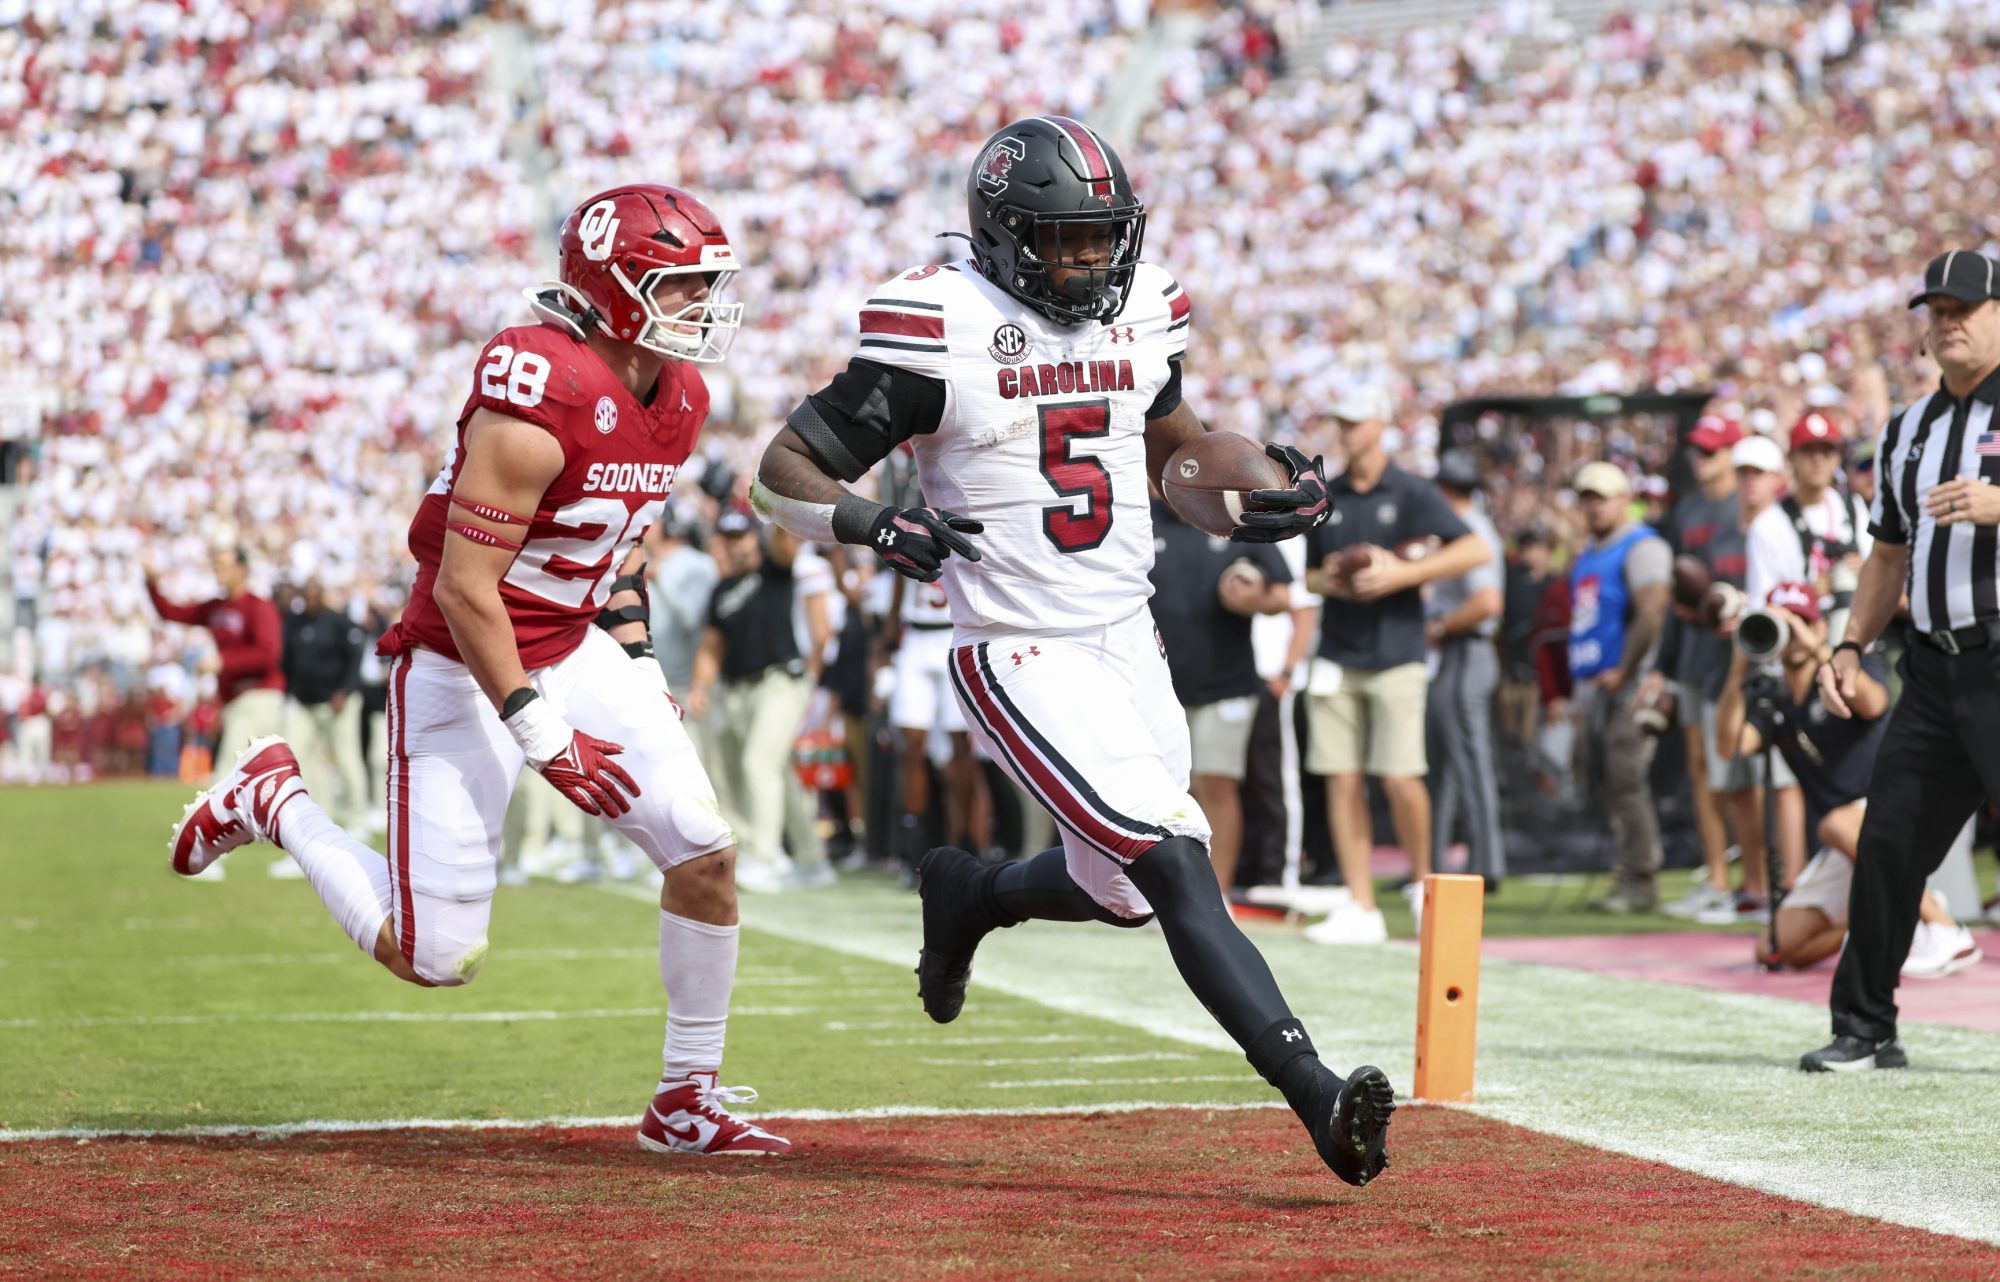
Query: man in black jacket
point(322, 664)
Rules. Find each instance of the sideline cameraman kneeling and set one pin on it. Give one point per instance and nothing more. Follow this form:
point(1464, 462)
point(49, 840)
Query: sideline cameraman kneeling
point(1833, 759)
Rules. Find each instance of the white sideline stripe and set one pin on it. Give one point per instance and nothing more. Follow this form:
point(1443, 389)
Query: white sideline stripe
point(285, 1130)
point(1036, 1083)
point(1036, 1039)
point(1010, 1062)
point(354, 1017)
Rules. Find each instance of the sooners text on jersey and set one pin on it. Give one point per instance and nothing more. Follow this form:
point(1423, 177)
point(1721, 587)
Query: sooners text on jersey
point(619, 461)
point(1043, 439)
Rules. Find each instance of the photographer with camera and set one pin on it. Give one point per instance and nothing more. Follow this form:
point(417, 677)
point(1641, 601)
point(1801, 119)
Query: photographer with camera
point(1760, 480)
point(1936, 523)
point(1833, 758)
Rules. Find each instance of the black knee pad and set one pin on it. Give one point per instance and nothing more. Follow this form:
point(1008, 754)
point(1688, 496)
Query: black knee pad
point(1176, 869)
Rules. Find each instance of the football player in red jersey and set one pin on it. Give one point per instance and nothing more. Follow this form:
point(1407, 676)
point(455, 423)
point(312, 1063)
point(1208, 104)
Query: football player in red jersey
point(525, 643)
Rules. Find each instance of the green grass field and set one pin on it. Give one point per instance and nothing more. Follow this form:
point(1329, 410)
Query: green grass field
point(133, 1000)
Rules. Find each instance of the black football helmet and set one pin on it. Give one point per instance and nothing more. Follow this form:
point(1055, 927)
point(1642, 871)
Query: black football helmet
point(1042, 188)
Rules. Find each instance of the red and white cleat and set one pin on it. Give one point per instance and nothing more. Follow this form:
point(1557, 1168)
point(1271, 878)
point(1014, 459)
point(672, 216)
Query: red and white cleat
point(241, 809)
point(688, 1116)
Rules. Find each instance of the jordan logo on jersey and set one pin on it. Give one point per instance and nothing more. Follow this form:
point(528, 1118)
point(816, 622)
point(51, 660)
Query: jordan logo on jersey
point(1067, 377)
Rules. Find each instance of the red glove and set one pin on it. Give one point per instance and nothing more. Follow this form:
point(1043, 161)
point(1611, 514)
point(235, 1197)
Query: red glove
point(578, 765)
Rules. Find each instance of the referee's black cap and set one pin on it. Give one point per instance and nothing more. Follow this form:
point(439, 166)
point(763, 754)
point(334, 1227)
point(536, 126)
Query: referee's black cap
point(1964, 274)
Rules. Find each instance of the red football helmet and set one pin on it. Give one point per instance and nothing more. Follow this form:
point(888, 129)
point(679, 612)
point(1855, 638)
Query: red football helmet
point(620, 244)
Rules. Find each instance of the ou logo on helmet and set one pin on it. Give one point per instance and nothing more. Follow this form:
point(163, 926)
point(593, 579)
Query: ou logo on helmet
point(598, 229)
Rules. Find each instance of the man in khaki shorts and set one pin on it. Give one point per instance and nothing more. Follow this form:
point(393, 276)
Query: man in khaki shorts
point(1205, 591)
point(1366, 694)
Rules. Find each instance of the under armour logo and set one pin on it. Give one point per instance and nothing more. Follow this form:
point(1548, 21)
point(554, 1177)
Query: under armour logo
point(1294, 1034)
point(886, 538)
point(1033, 652)
point(1122, 334)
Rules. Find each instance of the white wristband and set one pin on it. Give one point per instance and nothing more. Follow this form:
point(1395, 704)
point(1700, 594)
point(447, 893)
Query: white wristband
point(812, 522)
point(540, 730)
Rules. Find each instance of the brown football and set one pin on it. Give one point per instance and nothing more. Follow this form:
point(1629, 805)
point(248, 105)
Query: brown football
point(1721, 603)
point(1208, 480)
point(1353, 560)
point(1691, 580)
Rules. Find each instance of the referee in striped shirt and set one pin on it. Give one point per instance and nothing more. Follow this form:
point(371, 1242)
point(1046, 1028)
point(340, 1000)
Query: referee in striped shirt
point(1936, 522)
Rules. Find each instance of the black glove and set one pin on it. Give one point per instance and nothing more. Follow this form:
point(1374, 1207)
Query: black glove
point(916, 540)
point(1306, 504)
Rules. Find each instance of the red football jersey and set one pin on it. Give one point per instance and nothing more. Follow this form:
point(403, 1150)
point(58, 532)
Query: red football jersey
point(620, 459)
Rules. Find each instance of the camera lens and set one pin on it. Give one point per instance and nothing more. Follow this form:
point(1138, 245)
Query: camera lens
point(1760, 635)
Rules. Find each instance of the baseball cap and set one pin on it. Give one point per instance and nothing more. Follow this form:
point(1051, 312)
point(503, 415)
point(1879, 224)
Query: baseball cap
point(1603, 478)
point(1654, 487)
point(1796, 598)
point(1964, 274)
point(735, 521)
point(1459, 470)
point(1760, 453)
point(1864, 455)
point(1713, 432)
point(1362, 403)
point(1815, 429)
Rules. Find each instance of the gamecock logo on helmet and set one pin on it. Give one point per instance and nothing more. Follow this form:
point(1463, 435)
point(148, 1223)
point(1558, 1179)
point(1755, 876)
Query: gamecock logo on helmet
point(998, 163)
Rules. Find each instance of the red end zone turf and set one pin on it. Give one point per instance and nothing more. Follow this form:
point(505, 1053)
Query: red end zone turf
point(1164, 1194)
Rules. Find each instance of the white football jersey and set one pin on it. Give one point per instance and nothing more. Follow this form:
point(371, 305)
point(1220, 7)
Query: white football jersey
point(1042, 439)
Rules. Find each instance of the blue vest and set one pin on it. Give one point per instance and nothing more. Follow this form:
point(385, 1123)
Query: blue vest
point(1600, 605)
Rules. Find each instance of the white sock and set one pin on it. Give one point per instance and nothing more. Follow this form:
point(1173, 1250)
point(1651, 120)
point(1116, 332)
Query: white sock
point(352, 880)
point(698, 968)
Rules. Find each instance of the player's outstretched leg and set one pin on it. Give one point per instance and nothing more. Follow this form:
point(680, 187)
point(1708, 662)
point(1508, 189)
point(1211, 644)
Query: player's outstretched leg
point(263, 799)
point(965, 900)
point(689, 1112)
point(1348, 1119)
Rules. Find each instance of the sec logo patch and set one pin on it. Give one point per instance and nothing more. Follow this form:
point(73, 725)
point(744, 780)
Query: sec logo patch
point(607, 415)
point(1010, 345)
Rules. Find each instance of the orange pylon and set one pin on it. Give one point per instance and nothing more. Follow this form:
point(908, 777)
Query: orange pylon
point(1448, 985)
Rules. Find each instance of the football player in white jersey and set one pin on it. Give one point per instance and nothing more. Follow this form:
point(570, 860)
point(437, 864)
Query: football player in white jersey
point(1038, 382)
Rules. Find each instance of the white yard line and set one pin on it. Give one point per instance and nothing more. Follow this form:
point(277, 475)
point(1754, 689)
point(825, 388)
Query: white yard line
point(284, 1130)
point(1044, 1083)
point(353, 1017)
point(1012, 1061)
point(1704, 1081)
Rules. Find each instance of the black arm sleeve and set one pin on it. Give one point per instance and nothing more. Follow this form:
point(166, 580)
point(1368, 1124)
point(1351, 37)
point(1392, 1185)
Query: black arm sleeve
point(869, 409)
point(1169, 398)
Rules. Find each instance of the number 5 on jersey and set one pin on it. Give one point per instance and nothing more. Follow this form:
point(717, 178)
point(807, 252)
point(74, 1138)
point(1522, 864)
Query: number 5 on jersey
point(1070, 527)
point(514, 377)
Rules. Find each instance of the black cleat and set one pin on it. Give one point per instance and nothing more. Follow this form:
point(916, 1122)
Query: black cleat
point(1847, 1054)
point(1351, 1129)
point(947, 882)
